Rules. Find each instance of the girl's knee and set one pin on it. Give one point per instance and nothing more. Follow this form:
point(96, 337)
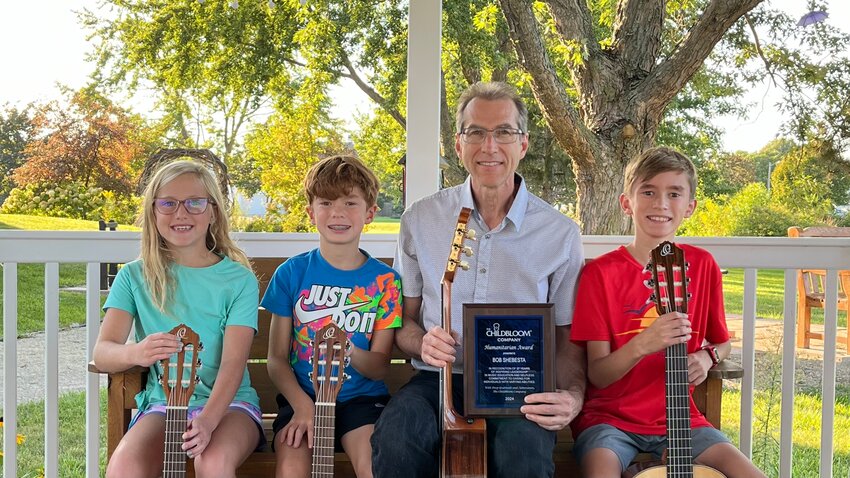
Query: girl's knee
point(211, 464)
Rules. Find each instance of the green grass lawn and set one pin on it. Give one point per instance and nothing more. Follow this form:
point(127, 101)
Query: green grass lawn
point(72, 437)
point(383, 225)
point(41, 223)
point(770, 295)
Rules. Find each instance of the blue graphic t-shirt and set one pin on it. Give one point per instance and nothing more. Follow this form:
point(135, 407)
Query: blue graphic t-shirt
point(312, 292)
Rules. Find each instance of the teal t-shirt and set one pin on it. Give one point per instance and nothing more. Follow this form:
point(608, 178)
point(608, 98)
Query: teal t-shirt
point(207, 299)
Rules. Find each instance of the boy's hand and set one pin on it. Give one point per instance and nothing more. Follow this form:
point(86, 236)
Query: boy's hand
point(669, 329)
point(438, 347)
point(155, 347)
point(299, 427)
point(698, 365)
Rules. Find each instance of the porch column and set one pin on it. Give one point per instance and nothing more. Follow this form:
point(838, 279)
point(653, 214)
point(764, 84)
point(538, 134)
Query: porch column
point(423, 99)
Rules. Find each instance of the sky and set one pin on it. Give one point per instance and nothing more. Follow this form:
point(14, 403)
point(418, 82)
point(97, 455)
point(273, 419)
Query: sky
point(43, 45)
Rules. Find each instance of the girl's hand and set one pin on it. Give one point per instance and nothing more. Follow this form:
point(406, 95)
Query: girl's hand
point(197, 436)
point(155, 347)
point(299, 427)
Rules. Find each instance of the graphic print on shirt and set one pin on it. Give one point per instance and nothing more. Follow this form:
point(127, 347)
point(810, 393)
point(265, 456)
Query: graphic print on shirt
point(645, 315)
point(357, 310)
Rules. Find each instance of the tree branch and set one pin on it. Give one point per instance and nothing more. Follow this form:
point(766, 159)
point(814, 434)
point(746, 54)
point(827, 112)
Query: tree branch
point(767, 65)
point(576, 139)
point(573, 21)
point(668, 78)
point(637, 35)
point(370, 92)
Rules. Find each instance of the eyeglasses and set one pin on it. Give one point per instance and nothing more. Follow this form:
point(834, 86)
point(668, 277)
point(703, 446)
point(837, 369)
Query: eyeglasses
point(479, 135)
point(193, 205)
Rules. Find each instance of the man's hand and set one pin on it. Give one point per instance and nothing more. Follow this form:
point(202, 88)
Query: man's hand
point(438, 347)
point(552, 410)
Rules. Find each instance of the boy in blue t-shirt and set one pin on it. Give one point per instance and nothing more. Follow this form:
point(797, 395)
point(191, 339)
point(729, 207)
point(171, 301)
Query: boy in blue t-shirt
point(337, 282)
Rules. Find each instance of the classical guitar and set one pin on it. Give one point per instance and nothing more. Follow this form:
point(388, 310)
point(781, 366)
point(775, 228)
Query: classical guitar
point(464, 450)
point(329, 362)
point(179, 377)
point(669, 283)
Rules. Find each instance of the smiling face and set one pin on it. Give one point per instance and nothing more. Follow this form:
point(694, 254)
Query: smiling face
point(491, 164)
point(340, 221)
point(658, 205)
point(184, 234)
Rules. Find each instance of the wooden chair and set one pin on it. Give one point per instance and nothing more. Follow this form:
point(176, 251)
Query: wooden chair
point(810, 288)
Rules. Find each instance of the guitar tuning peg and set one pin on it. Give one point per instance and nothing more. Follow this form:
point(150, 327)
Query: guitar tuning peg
point(464, 265)
point(647, 267)
point(652, 297)
point(310, 360)
point(649, 283)
point(470, 234)
point(346, 376)
point(346, 362)
point(690, 295)
point(200, 346)
point(467, 250)
point(197, 379)
point(198, 364)
point(311, 344)
point(310, 375)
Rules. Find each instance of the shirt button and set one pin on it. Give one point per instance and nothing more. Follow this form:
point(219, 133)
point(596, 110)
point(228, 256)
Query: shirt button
point(486, 236)
point(483, 270)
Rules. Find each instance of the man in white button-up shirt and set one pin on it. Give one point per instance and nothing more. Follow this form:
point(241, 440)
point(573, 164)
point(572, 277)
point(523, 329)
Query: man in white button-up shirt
point(526, 252)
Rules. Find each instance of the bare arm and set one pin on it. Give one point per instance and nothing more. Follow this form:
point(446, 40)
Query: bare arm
point(605, 367)
point(699, 362)
point(409, 336)
point(112, 353)
point(375, 362)
point(282, 375)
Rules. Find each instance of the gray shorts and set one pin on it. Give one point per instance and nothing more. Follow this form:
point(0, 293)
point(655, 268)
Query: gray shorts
point(627, 445)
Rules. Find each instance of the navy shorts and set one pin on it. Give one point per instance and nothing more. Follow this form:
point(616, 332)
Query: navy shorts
point(350, 415)
point(627, 445)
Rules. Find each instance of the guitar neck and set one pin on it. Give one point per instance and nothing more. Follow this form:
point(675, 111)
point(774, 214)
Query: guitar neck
point(323, 439)
point(679, 462)
point(446, 372)
point(174, 461)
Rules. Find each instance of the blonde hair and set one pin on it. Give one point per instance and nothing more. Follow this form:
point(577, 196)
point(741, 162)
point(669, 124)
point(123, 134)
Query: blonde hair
point(156, 258)
point(337, 176)
point(655, 161)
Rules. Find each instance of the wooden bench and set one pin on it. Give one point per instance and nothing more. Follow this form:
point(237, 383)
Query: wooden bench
point(123, 387)
point(810, 288)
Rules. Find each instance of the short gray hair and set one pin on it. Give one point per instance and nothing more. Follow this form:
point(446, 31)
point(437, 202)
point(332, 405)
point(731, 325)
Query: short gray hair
point(492, 91)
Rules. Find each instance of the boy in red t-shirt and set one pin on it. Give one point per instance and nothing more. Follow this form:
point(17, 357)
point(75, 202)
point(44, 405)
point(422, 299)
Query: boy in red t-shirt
point(625, 410)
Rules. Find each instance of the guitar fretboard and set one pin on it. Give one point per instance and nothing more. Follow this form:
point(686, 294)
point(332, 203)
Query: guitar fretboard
point(174, 462)
point(323, 439)
point(679, 463)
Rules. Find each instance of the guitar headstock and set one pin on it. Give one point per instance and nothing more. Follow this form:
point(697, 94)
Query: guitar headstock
point(462, 232)
point(180, 371)
point(329, 362)
point(669, 281)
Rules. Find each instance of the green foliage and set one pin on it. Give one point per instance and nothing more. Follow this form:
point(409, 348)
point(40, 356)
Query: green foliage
point(748, 213)
point(71, 200)
point(380, 144)
point(16, 129)
point(726, 174)
point(812, 179)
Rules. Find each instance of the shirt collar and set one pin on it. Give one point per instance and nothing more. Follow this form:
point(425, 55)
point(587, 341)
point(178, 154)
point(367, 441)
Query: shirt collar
point(516, 214)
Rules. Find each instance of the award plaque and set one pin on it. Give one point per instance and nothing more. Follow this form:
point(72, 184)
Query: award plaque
point(509, 352)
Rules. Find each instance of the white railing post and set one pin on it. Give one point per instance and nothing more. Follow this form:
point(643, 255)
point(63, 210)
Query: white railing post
point(830, 332)
point(92, 380)
point(748, 361)
point(10, 372)
point(789, 350)
point(51, 370)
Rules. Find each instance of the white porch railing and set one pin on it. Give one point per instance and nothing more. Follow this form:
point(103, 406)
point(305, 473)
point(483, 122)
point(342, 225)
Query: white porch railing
point(92, 248)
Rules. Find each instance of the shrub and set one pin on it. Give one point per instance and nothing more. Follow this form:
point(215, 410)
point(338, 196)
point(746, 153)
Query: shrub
point(72, 200)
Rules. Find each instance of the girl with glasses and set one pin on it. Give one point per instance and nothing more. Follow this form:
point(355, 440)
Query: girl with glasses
point(189, 272)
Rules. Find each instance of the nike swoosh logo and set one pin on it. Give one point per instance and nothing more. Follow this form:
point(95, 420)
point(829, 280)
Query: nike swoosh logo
point(306, 316)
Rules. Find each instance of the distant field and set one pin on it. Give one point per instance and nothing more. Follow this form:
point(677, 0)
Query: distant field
point(41, 223)
point(383, 225)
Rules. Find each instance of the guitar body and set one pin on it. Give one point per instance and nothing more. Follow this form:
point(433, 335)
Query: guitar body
point(656, 469)
point(464, 450)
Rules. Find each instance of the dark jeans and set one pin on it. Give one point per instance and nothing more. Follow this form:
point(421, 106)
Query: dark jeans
point(407, 437)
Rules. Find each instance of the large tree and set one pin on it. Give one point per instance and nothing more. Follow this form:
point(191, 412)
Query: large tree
point(15, 131)
point(88, 140)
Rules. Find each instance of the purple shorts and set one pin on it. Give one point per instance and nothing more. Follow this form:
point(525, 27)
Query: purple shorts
point(244, 407)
